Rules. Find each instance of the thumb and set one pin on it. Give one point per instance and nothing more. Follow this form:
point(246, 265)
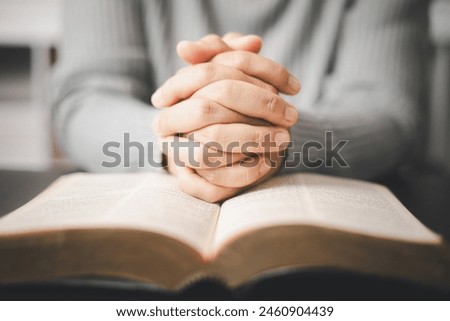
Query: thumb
point(237, 41)
point(203, 50)
point(212, 45)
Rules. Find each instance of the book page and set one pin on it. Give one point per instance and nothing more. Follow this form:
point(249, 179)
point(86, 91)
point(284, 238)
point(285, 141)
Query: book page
point(142, 201)
point(319, 200)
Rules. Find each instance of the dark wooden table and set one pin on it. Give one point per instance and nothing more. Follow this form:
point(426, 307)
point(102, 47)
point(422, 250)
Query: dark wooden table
point(425, 191)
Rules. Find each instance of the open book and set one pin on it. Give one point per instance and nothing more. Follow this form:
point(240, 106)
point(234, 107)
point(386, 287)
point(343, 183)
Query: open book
point(141, 227)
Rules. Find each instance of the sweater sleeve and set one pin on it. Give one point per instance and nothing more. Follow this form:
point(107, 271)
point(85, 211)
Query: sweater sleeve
point(101, 86)
point(369, 110)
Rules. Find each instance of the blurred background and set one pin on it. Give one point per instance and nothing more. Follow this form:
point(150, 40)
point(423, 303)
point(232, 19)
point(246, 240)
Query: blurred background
point(29, 34)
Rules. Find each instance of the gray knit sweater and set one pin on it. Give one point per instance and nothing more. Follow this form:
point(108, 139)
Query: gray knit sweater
point(361, 64)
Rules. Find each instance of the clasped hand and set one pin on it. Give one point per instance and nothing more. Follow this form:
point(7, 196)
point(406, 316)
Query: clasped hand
point(223, 126)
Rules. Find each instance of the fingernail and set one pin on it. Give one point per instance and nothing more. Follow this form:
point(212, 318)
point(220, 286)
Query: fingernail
point(291, 114)
point(157, 97)
point(294, 84)
point(281, 138)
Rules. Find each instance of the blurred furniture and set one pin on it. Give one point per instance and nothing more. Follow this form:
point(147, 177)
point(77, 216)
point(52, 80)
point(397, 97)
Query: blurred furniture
point(34, 24)
point(439, 126)
point(26, 26)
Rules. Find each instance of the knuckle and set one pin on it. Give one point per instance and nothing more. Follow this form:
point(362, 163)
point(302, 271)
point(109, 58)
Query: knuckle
point(225, 88)
point(261, 84)
point(213, 133)
point(211, 91)
point(205, 71)
point(274, 105)
point(206, 109)
point(258, 136)
point(241, 60)
point(281, 73)
point(270, 88)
